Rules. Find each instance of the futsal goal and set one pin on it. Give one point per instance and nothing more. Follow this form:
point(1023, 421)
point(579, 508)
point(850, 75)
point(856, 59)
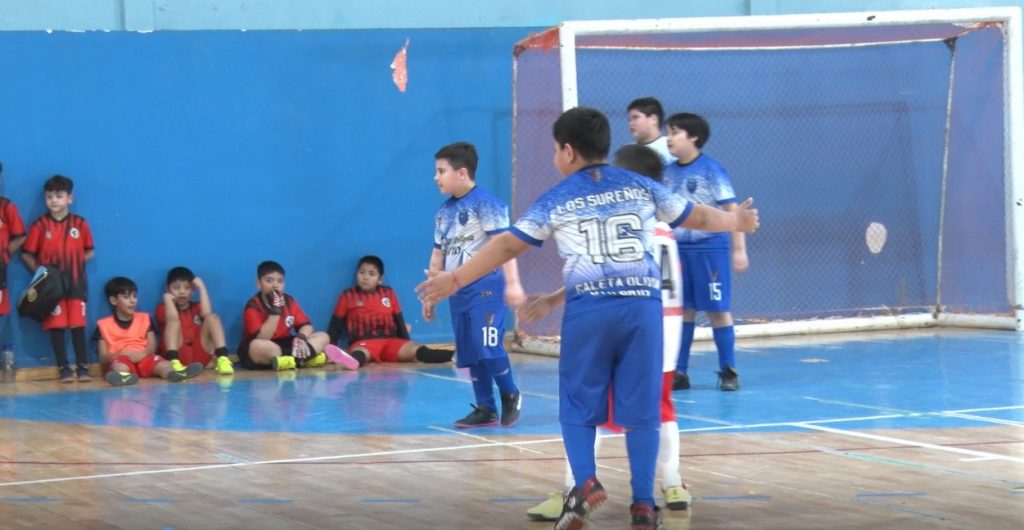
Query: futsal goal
point(882, 149)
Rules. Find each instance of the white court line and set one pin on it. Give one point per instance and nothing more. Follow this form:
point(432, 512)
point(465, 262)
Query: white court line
point(912, 443)
point(984, 419)
point(461, 380)
point(978, 459)
point(863, 406)
point(986, 409)
point(789, 423)
point(483, 439)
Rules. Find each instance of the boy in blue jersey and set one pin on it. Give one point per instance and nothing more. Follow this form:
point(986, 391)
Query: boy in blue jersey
point(464, 223)
point(602, 219)
point(706, 258)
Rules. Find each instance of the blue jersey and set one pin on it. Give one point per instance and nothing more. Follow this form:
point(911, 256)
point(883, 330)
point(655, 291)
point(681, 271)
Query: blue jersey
point(702, 181)
point(462, 227)
point(602, 218)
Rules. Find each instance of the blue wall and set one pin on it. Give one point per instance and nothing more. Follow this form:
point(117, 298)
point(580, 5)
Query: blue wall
point(219, 149)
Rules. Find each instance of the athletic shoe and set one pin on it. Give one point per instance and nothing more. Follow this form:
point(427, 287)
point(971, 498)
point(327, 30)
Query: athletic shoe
point(66, 374)
point(224, 365)
point(579, 503)
point(645, 516)
point(284, 362)
point(680, 381)
point(728, 379)
point(181, 373)
point(480, 417)
point(121, 378)
point(82, 371)
point(316, 361)
point(511, 404)
point(549, 510)
point(340, 356)
point(301, 349)
point(677, 497)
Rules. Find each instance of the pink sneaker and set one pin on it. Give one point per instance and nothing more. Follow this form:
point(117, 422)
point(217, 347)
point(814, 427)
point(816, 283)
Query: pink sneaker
point(339, 356)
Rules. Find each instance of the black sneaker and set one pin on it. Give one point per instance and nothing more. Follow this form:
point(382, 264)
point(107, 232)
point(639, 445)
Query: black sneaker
point(680, 381)
point(480, 417)
point(728, 380)
point(580, 503)
point(645, 516)
point(121, 378)
point(510, 406)
point(67, 375)
point(82, 371)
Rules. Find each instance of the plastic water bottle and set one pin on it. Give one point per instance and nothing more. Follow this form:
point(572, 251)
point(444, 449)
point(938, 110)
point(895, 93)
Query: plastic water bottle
point(7, 363)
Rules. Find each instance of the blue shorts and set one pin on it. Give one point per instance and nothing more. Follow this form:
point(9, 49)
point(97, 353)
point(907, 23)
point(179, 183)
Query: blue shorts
point(479, 333)
point(707, 279)
point(618, 345)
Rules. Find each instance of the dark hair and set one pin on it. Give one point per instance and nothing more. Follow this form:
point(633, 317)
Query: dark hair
point(180, 274)
point(586, 130)
point(693, 124)
point(649, 107)
point(459, 155)
point(639, 159)
point(58, 183)
point(120, 285)
point(372, 260)
point(268, 267)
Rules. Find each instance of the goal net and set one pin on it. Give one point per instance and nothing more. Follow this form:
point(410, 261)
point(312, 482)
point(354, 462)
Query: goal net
point(881, 148)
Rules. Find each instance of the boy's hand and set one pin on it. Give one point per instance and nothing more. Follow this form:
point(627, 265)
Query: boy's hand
point(536, 307)
point(740, 263)
point(275, 303)
point(748, 220)
point(438, 286)
point(197, 282)
point(168, 298)
point(428, 312)
point(514, 295)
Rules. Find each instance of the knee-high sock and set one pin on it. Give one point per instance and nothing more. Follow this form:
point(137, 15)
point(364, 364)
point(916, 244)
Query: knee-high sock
point(483, 388)
point(668, 454)
point(683, 363)
point(579, 447)
point(725, 342)
point(501, 372)
point(569, 481)
point(642, 446)
point(60, 348)
point(78, 343)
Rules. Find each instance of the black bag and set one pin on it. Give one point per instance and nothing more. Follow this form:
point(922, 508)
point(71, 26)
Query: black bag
point(43, 293)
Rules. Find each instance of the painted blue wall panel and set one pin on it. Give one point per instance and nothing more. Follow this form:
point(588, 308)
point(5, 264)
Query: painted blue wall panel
point(217, 150)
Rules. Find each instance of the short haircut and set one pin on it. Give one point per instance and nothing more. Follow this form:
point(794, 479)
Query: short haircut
point(183, 274)
point(372, 260)
point(459, 155)
point(649, 107)
point(58, 183)
point(268, 267)
point(120, 285)
point(586, 130)
point(693, 124)
point(639, 159)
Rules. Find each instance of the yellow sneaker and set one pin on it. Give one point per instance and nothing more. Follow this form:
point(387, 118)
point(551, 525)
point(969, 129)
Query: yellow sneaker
point(549, 510)
point(316, 361)
point(224, 365)
point(177, 366)
point(677, 497)
point(284, 362)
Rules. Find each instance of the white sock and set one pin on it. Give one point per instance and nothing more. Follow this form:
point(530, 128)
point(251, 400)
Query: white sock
point(668, 455)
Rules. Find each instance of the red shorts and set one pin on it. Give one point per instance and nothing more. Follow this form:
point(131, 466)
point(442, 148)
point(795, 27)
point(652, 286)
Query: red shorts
point(193, 352)
point(69, 313)
point(143, 368)
point(381, 350)
point(668, 409)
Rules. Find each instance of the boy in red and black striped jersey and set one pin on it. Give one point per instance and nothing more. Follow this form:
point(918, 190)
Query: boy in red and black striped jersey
point(62, 239)
point(268, 320)
point(191, 330)
point(368, 320)
point(12, 235)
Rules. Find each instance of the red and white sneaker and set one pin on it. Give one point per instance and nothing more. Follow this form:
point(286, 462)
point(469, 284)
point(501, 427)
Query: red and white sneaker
point(340, 356)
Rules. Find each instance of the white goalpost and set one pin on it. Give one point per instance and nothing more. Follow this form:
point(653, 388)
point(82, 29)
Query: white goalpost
point(883, 149)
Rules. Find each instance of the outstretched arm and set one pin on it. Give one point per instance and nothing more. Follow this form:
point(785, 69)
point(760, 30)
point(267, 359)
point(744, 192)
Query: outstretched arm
point(496, 252)
point(742, 219)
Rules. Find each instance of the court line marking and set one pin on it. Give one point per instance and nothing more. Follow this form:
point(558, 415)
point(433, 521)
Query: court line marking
point(902, 441)
point(484, 439)
point(984, 419)
point(466, 381)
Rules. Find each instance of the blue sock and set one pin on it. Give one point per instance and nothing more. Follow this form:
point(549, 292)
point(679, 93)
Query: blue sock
point(725, 341)
point(642, 447)
point(501, 372)
point(579, 448)
point(683, 362)
point(483, 388)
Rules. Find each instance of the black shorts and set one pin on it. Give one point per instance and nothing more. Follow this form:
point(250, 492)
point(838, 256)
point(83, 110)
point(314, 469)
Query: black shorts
point(247, 362)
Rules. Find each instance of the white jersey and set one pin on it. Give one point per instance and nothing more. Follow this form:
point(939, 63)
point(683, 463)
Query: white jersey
point(660, 146)
point(666, 255)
